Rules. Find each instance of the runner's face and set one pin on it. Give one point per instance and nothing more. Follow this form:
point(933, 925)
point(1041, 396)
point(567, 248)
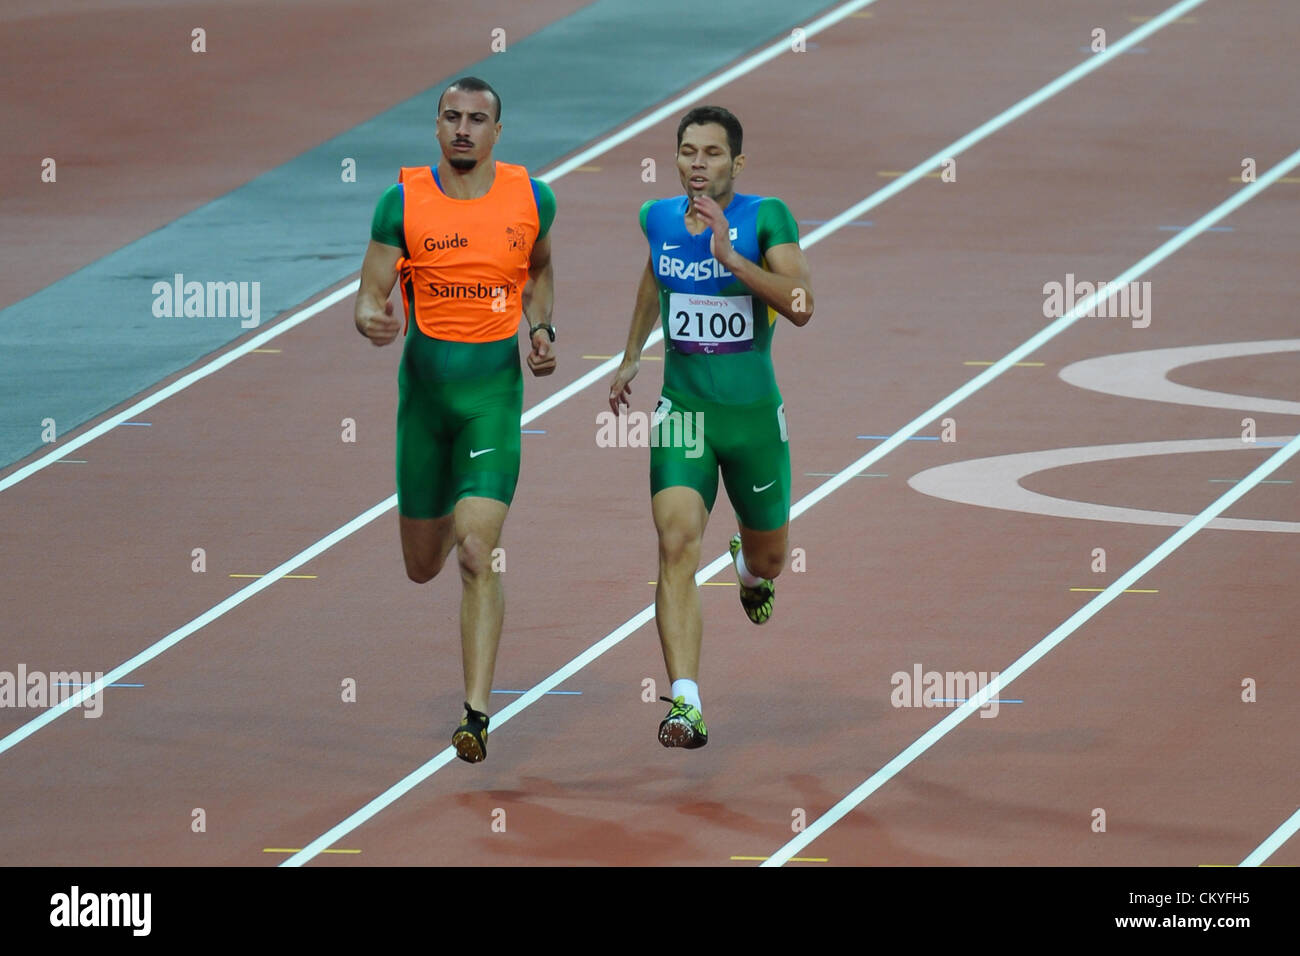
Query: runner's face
point(466, 130)
point(704, 162)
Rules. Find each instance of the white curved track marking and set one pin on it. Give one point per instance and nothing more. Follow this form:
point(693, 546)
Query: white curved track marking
point(1144, 375)
point(994, 483)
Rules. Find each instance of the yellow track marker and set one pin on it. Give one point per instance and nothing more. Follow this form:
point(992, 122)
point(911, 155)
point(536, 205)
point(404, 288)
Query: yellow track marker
point(1126, 591)
point(1018, 364)
point(285, 849)
point(299, 577)
point(793, 859)
point(644, 358)
point(587, 169)
point(266, 351)
point(895, 173)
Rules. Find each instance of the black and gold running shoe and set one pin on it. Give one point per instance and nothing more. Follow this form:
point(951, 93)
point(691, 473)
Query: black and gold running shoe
point(470, 739)
point(684, 725)
point(757, 601)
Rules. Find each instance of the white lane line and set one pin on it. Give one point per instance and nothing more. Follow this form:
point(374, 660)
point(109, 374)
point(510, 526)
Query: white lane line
point(384, 506)
point(1049, 332)
point(446, 756)
point(423, 772)
point(1029, 658)
point(602, 146)
point(1094, 62)
point(264, 582)
point(298, 560)
point(747, 65)
point(178, 635)
point(997, 368)
point(182, 383)
point(1279, 836)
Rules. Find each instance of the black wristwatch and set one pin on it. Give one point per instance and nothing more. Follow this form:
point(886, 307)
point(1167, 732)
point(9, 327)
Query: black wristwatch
point(550, 330)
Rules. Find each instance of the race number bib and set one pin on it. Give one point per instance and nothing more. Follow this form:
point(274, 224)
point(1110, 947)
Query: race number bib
point(711, 324)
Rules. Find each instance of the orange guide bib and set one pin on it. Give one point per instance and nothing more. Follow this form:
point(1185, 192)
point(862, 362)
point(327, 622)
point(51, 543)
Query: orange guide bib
point(468, 259)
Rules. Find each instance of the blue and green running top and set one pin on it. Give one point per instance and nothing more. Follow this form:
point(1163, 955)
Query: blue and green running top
point(718, 334)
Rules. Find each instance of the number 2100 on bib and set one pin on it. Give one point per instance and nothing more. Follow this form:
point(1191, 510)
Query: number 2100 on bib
point(711, 324)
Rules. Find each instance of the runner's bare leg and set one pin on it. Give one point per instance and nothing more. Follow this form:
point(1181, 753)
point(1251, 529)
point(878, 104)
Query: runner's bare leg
point(680, 518)
point(765, 551)
point(426, 542)
point(478, 523)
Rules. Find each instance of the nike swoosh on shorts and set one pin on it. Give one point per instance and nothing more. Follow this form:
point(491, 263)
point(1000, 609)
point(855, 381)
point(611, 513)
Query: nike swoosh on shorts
point(765, 487)
point(475, 454)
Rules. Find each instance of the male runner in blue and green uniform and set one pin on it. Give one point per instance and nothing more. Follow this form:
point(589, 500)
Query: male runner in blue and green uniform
point(469, 240)
point(722, 266)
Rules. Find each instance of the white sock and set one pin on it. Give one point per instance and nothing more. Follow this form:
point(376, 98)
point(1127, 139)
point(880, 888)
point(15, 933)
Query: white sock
point(688, 689)
point(747, 578)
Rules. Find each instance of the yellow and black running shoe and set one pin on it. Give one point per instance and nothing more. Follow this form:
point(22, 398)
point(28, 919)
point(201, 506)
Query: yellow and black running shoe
point(758, 601)
point(470, 739)
point(684, 726)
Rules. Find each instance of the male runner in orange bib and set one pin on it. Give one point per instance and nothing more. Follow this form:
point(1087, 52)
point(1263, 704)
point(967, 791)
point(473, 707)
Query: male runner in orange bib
point(469, 240)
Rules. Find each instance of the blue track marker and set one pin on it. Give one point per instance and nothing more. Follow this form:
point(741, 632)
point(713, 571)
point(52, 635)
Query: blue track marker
point(1233, 481)
point(832, 474)
point(912, 438)
point(821, 222)
point(962, 700)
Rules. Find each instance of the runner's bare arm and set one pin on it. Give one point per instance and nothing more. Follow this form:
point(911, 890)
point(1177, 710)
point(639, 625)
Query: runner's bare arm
point(786, 285)
point(644, 315)
point(539, 301)
point(374, 313)
point(539, 293)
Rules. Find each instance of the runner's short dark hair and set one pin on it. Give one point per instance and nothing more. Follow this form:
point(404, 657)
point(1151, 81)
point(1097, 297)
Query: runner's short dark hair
point(714, 114)
point(472, 84)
